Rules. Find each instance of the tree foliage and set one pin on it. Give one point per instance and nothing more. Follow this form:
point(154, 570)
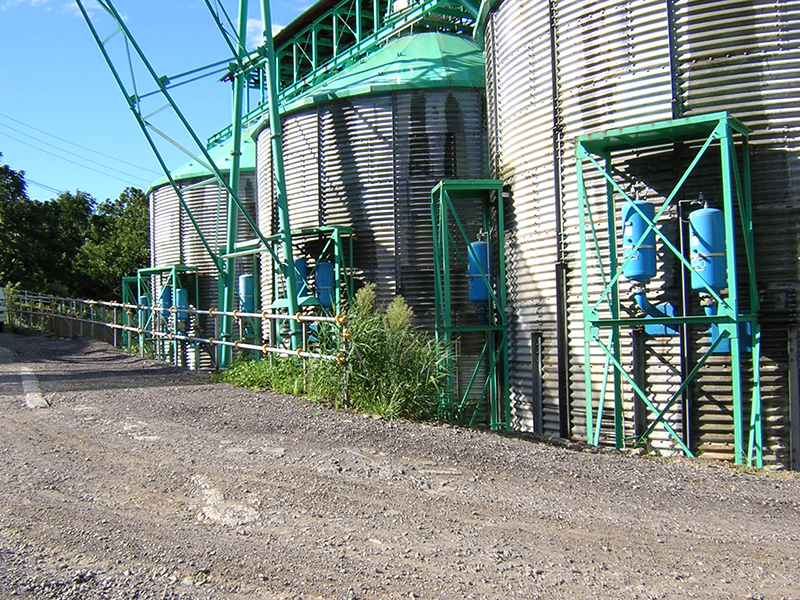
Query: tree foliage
point(71, 245)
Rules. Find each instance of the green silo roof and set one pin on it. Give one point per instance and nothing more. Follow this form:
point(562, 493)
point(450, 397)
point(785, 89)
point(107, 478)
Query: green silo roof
point(221, 155)
point(421, 61)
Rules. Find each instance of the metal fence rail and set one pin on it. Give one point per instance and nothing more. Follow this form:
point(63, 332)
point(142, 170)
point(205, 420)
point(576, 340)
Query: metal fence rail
point(166, 333)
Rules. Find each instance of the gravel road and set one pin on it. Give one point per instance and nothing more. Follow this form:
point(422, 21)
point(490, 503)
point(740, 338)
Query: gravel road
point(123, 478)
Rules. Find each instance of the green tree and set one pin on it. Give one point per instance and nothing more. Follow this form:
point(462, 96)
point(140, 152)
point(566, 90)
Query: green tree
point(72, 245)
point(68, 221)
point(20, 230)
point(118, 245)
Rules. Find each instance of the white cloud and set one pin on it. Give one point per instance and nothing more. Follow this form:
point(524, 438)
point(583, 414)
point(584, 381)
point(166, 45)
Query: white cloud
point(91, 7)
point(255, 32)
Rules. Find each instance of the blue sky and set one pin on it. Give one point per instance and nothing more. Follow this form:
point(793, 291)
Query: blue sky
point(54, 83)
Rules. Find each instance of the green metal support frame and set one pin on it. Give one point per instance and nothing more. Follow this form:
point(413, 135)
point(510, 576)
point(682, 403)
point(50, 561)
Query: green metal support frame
point(450, 237)
point(129, 287)
point(336, 243)
point(152, 319)
point(240, 60)
point(595, 152)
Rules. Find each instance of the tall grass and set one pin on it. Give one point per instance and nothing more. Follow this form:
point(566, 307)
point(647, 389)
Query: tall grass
point(392, 369)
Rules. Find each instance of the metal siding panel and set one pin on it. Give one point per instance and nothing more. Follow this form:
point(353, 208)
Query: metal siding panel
point(521, 100)
point(356, 189)
point(438, 135)
point(266, 214)
point(301, 165)
point(165, 219)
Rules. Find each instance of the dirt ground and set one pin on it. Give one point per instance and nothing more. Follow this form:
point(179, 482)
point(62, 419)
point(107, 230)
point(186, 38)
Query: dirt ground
point(123, 478)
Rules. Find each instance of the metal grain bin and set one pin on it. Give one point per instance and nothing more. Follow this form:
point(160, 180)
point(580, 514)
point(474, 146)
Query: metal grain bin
point(561, 69)
point(366, 148)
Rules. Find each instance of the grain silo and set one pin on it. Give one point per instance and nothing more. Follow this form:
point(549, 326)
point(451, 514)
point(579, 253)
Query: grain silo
point(559, 70)
point(176, 241)
point(365, 149)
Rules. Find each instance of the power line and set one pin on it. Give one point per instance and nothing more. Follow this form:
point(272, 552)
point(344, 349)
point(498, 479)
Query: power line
point(42, 185)
point(71, 153)
point(127, 181)
point(78, 145)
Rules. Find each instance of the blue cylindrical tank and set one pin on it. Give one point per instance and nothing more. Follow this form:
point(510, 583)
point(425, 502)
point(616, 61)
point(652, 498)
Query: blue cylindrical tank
point(301, 276)
point(642, 264)
point(182, 304)
point(479, 260)
point(324, 281)
point(144, 314)
point(707, 245)
point(165, 299)
point(247, 300)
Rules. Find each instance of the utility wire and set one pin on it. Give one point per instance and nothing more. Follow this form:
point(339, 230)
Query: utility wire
point(127, 181)
point(42, 185)
point(94, 162)
point(78, 145)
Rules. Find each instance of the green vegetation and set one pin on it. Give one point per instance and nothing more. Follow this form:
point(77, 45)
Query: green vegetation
point(71, 245)
point(392, 370)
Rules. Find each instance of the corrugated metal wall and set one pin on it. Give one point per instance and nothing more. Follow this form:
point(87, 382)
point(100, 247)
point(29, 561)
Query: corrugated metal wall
point(266, 218)
point(564, 68)
point(165, 228)
point(439, 135)
point(357, 183)
point(521, 118)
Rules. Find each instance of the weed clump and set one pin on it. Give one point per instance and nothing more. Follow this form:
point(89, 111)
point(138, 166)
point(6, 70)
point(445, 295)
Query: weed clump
point(392, 370)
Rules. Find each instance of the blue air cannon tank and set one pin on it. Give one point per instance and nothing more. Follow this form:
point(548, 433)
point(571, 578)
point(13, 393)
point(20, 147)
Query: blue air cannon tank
point(709, 264)
point(641, 260)
point(479, 272)
point(246, 293)
point(324, 281)
point(707, 243)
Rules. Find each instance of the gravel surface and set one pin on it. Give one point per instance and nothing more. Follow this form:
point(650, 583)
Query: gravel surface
point(141, 481)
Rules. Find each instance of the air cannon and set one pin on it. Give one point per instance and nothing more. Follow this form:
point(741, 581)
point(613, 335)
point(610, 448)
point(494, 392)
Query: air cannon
point(640, 262)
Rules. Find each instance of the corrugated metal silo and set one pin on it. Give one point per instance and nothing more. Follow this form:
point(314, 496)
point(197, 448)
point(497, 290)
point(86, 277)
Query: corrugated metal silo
point(745, 58)
point(366, 148)
point(566, 68)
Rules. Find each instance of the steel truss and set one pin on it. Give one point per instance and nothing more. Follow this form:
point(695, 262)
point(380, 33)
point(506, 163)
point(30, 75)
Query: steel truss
point(490, 372)
point(338, 37)
point(602, 321)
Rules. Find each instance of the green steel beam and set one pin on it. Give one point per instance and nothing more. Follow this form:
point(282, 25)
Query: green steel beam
point(347, 50)
point(146, 127)
point(282, 201)
point(229, 285)
point(241, 59)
